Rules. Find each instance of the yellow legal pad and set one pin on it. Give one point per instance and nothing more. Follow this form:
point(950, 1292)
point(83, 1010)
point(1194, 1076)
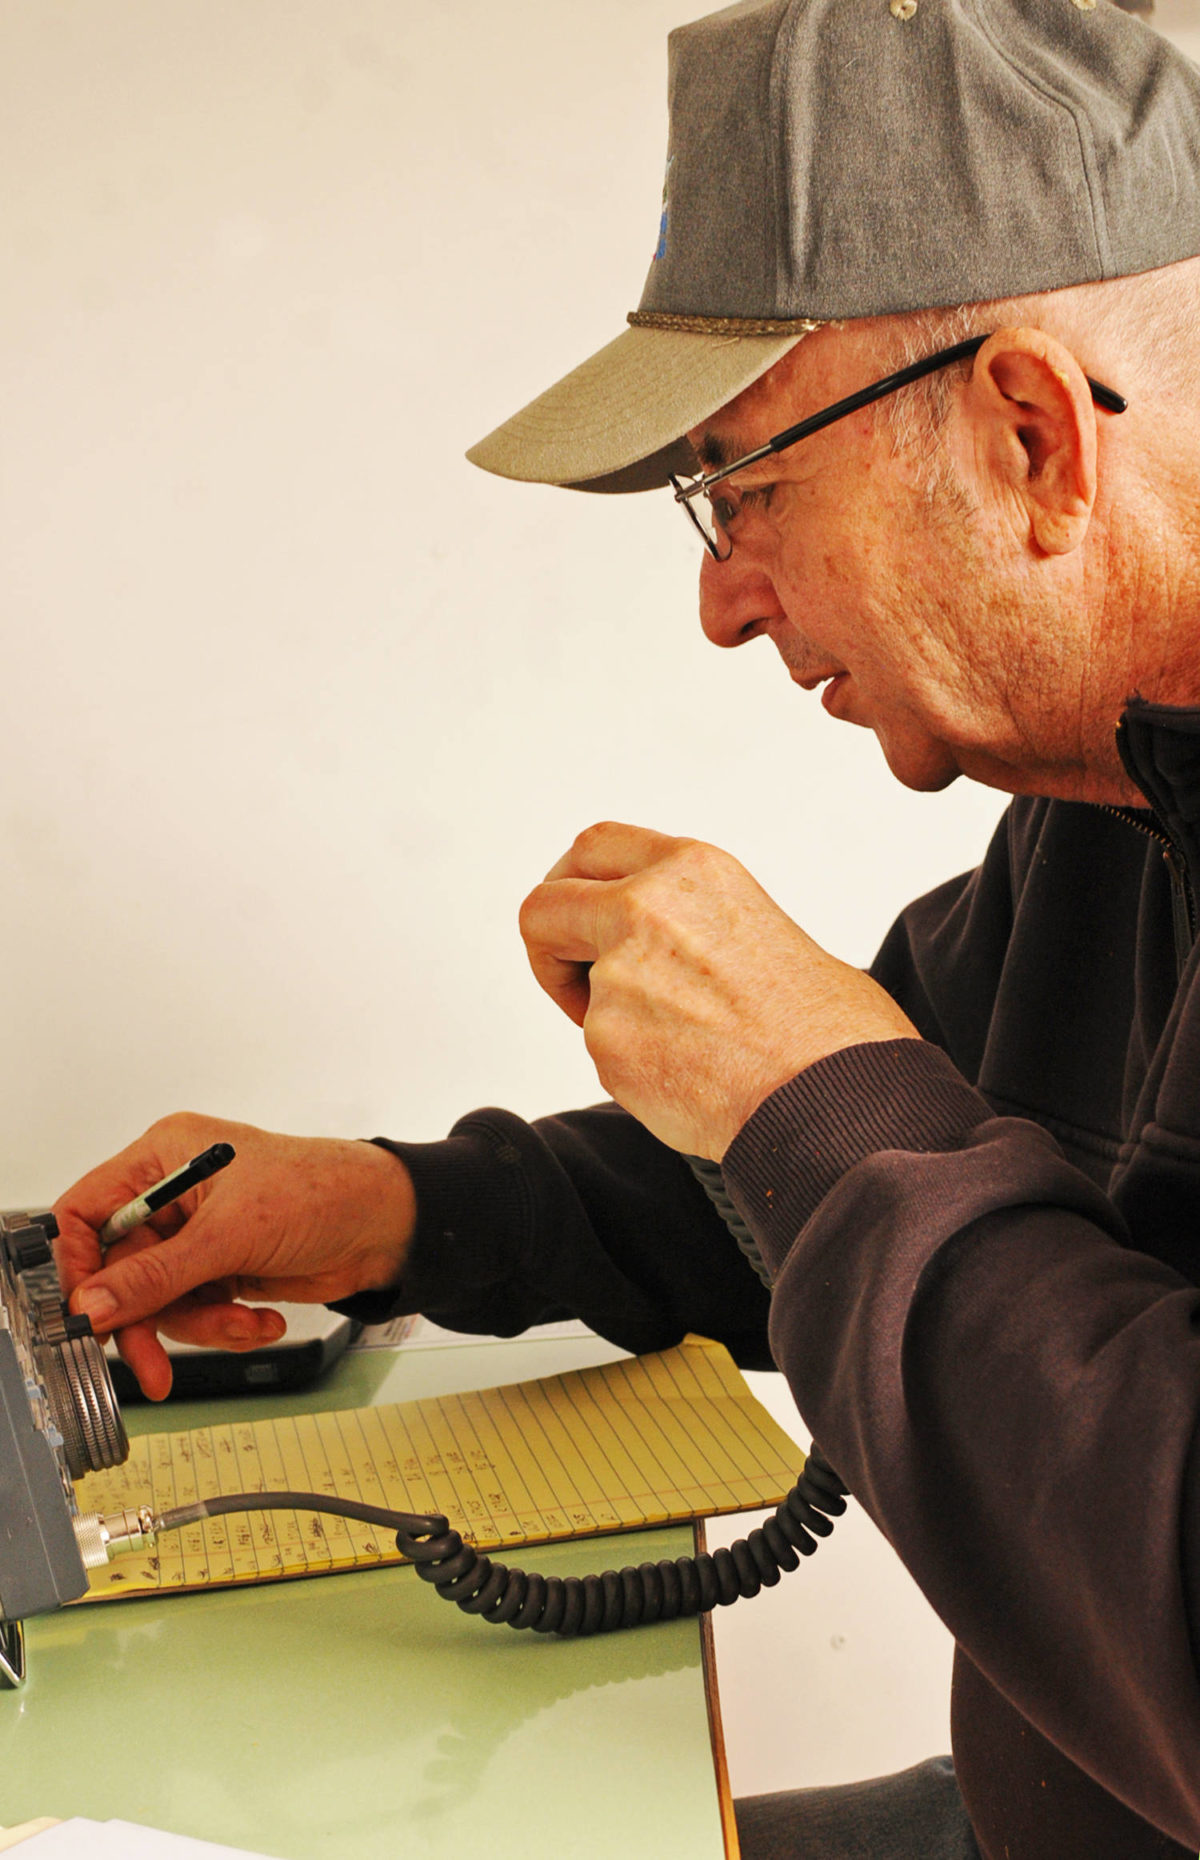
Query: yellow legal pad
point(649, 1441)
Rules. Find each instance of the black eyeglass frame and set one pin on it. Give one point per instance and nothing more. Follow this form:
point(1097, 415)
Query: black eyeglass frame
point(1104, 397)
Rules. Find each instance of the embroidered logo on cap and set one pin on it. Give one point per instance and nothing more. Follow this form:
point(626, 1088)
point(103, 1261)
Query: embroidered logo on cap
point(661, 247)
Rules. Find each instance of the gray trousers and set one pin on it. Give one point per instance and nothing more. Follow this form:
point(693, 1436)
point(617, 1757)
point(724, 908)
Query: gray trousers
point(916, 1815)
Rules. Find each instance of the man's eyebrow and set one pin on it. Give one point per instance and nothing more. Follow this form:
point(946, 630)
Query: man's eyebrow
point(715, 453)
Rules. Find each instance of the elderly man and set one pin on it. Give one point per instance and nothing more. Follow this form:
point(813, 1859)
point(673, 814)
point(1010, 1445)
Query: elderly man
point(974, 1175)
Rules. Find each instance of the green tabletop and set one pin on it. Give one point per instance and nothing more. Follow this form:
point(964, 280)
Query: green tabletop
point(356, 1716)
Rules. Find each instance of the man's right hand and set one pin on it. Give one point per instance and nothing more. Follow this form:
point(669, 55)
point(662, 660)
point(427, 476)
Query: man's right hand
point(303, 1219)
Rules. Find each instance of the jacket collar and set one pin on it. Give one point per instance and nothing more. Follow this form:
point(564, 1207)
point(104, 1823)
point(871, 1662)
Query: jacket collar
point(1159, 745)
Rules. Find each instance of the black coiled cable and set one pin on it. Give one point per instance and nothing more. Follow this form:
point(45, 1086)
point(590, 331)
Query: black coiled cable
point(575, 1605)
point(629, 1597)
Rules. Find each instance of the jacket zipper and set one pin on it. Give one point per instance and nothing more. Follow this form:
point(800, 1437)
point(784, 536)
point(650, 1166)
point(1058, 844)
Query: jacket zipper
point(1183, 906)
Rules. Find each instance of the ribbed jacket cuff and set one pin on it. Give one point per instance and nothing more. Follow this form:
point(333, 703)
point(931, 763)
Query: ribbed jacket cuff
point(882, 1095)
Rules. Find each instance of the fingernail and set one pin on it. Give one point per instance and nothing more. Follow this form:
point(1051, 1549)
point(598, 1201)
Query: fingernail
point(239, 1331)
point(97, 1304)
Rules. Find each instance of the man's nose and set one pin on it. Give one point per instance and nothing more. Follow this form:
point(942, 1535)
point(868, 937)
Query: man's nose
point(737, 600)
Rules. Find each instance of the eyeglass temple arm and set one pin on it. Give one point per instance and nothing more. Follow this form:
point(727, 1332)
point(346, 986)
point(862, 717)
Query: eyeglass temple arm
point(1104, 397)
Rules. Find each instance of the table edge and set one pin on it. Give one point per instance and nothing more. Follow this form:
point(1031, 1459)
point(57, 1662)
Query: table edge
point(716, 1730)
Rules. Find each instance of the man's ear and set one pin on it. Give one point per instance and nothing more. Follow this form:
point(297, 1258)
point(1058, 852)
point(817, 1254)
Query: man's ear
point(1034, 431)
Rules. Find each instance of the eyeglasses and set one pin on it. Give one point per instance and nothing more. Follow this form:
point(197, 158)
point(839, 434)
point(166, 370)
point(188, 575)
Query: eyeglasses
point(713, 516)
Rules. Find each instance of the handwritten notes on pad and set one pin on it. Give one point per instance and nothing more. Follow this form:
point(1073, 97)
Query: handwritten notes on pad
point(650, 1440)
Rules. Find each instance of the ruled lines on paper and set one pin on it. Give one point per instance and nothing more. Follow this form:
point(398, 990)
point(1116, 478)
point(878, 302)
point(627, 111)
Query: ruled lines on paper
point(646, 1441)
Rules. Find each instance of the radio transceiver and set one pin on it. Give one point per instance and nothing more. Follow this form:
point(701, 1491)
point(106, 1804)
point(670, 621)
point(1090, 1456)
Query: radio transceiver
point(59, 1419)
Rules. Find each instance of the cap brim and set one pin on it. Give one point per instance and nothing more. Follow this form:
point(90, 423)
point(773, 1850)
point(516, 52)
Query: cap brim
point(617, 422)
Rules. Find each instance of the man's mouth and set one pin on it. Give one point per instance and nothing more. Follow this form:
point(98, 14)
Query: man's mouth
point(830, 694)
point(809, 681)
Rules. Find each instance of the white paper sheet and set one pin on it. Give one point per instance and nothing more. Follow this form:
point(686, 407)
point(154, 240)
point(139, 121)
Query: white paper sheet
point(79, 1839)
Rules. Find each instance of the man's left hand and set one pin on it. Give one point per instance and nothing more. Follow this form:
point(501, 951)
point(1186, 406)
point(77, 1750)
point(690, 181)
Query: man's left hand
point(697, 995)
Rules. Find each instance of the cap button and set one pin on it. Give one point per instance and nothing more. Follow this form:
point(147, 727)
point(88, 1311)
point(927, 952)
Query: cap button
point(904, 9)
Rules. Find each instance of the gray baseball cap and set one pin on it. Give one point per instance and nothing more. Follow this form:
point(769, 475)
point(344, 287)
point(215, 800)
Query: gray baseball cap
point(833, 159)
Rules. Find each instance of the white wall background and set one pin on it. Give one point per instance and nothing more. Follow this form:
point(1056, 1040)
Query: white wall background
point(297, 705)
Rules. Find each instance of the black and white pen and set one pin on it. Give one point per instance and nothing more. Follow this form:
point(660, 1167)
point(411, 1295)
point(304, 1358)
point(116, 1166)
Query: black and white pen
point(163, 1193)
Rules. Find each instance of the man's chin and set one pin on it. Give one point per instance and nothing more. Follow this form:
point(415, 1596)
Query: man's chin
point(926, 767)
